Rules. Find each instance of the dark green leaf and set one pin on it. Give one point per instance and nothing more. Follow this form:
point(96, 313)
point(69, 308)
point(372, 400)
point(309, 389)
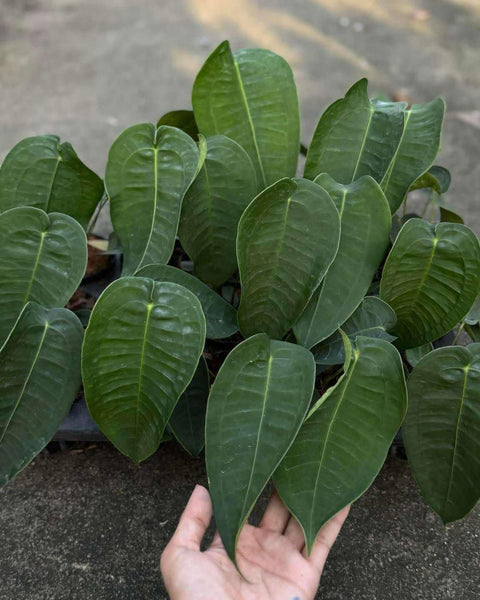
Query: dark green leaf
point(42, 173)
point(188, 418)
point(182, 119)
point(414, 355)
point(212, 208)
point(430, 279)
point(442, 429)
point(42, 258)
point(344, 441)
point(473, 315)
point(148, 173)
point(255, 409)
point(220, 316)
point(373, 318)
point(355, 136)
point(141, 349)
point(250, 96)
point(474, 332)
point(287, 238)
point(426, 180)
point(442, 175)
point(365, 234)
point(416, 151)
point(447, 215)
point(39, 377)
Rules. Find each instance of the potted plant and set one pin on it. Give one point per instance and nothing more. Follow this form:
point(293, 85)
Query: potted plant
point(305, 301)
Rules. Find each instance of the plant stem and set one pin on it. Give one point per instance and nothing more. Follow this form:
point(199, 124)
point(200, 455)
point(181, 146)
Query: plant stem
point(460, 329)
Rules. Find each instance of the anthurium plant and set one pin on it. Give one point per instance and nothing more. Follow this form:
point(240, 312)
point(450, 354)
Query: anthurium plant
point(311, 303)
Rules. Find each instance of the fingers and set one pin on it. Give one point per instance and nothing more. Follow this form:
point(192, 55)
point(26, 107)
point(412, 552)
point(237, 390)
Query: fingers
point(276, 515)
point(326, 538)
point(194, 520)
point(294, 533)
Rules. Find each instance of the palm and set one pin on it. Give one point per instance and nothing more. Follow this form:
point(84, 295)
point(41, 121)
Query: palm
point(270, 557)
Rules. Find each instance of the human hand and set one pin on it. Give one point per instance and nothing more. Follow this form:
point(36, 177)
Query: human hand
point(271, 557)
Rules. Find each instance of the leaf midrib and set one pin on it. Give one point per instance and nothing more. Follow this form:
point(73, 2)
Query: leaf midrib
point(260, 425)
point(364, 142)
point(388, 174)
point(24, 387)
point(150, 306)
point(35, 267)
point(308, 342)
point(155, 202)
point(329, 429)
point(250, 121)
point(52, 181)
point(457, 431)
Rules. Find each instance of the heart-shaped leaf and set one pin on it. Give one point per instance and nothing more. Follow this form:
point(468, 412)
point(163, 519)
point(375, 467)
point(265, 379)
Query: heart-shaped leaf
point(255, 408)
point(373, 318)
point(39, 377)
point(442, 429)
point(287, 238)
point(416, 151)
point(182, 119)
point(147, 175)
point(42, 258)
point(212, 208)
point(187, 422)
point(220, 316)
point(365, 235)
point(430, 279)
point(250, 96)
point(355, 136)
point(41, 172)
point(343, 443)
point(141, 349)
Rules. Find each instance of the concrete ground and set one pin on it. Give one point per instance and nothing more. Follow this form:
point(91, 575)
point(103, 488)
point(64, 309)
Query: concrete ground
point(89, 524)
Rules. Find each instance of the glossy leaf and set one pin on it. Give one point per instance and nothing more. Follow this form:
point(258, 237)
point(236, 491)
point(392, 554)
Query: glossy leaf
point(373, 318)
point(430, 279)
point(212, 208)
point(474, 332)
point(344, 441)
point(182, 119)
point(355, 136)
point(426, 180)
point(414, 355)
point(473, 315)
point(42, 258)
point(287, 238)
point(436, 178)
point(250, 96)
point(39, 377)
point(221, 317)
point(416, 151)
point(187, 422)
point(41, 172)
point(147, 175)
point(255, 408)
point(141, 349)
point(442, 429)
point(443, 176)
point(365, 236)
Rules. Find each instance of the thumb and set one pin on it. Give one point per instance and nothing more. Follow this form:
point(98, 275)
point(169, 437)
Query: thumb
point(194, 520)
